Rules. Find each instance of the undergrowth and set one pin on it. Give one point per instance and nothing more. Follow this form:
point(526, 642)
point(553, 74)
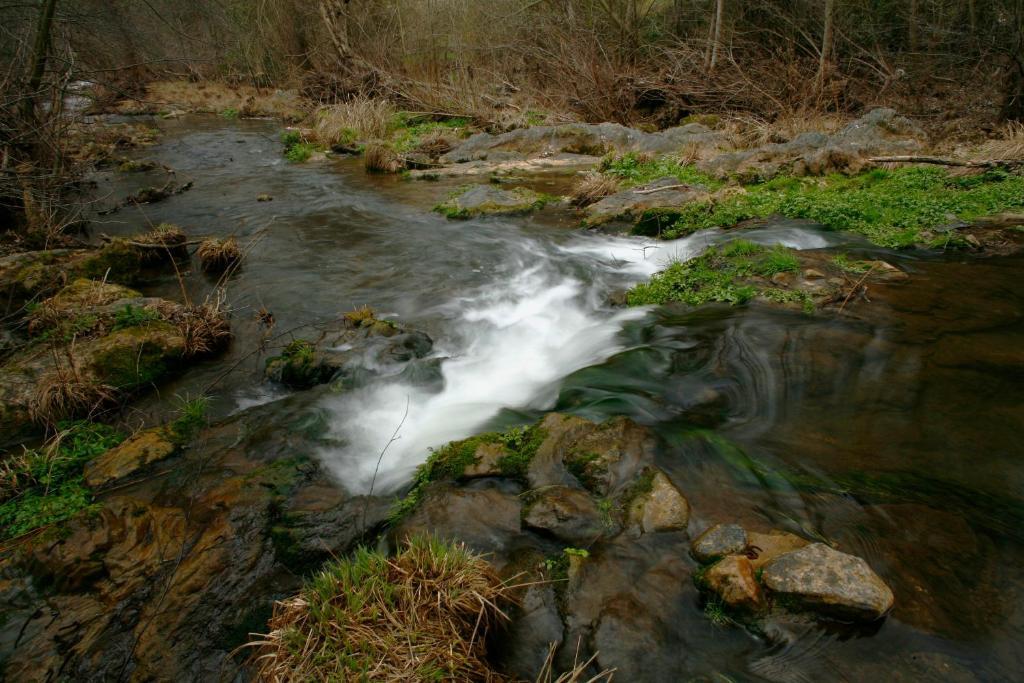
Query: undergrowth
point(636, 169)
point(44, 486)
point(892, 208)
point(726, 274)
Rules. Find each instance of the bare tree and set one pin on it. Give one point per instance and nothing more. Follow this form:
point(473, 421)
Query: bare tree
point(825, 59)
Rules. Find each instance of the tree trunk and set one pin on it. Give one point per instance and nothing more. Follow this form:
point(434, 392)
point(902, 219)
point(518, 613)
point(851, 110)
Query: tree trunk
point(40, 50)
point(719, 11)
point(824, 63)
point(912, 27)
point(1013, 97)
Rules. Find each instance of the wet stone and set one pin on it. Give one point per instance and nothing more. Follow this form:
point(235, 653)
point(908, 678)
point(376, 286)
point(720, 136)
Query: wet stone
point(732, 579)
point(568, 514)
point(829, 582)
point(718, 541)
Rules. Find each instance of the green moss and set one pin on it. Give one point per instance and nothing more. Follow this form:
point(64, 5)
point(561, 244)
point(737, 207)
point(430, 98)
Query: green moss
point(299, 366)
point(585, 467)
point(44, 486)
point(632, 169)
point(117, 261)
point(134, 316)
point(408, 130)
point(892, 208)
point(230, 113)
point(843, 262)
point(451, 461)
point(126, 365)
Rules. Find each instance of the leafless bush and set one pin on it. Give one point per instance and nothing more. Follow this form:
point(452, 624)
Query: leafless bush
point(362, 118)
point(379, 158)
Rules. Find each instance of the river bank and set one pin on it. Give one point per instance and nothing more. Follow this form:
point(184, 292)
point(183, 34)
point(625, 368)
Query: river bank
point(859, 426)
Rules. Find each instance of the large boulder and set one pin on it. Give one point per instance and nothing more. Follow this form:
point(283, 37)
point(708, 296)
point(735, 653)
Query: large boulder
point(649, 201)
point(829, 582)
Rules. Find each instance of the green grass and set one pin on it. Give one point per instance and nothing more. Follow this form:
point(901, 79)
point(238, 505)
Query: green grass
point(451, 460)
point(892, 208)
point(297, 150)
point(409, 131)
point(632, 169)
point(134, 316)
point(44, 486)
point(719, 274)
point(191, 418)
point(229, 113)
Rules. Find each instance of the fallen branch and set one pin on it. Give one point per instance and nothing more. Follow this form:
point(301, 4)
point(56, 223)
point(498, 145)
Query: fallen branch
point(940, 161)
point(663, 187)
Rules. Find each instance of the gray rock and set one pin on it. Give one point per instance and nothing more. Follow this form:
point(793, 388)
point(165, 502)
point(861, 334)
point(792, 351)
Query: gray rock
point(580, 138)
point(487, 200)
point(630, 205)
point(879, 132)
point(719, 541)
point(829, 582)
point(568, 514)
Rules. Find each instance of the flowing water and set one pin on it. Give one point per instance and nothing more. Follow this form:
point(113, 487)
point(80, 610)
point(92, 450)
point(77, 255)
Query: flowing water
point(893, 430)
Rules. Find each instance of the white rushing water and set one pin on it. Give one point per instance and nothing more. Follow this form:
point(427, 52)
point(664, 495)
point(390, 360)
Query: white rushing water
point(512, 342)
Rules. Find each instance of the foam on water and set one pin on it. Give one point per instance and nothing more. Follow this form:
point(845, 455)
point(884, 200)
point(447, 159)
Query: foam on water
point(511, 343)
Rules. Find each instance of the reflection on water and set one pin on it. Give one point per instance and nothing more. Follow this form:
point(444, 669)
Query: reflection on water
point(891, 430)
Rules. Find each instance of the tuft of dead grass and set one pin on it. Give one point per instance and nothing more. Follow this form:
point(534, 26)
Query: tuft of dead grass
point(591, 188)
point(423, 614)
point(216, 97)
point(361, 118)
point(1009, 145)
point(204, 327)
point(166, 240)
point(218, 256)
point(753, 131)
point(379, 158)
point(66, 392)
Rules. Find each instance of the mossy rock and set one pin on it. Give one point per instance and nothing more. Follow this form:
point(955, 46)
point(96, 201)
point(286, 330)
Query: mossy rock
point(33, 274)
point(487, 200)
point(134, 454)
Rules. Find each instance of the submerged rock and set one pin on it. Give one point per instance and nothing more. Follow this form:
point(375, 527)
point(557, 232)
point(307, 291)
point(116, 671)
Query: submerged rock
point(487, 200)
point(766, 547)
point(719, 541)
point(830, 582)
point(644, 202)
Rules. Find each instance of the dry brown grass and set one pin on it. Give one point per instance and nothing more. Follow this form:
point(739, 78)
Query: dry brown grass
point(361, 118)
point(591, 188)
point(204, 327)
point(380, 158)
point(578, 674)
point(1009, 145)
point(423, 614)
point(753, 131)
point(66, 391)
point(217, 256)
point(215, 97)
point(167, 241)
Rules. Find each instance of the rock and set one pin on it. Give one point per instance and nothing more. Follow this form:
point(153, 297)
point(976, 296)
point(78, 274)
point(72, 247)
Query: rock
point(878, 133)
point(719, 541)
point(32, 274)
point(634, 204)
point(813, 274)
point(581, 138)
point(104, 368)
point(134, 454)
point(487, 200)
point(732, 580)
point(570, 515)
point(766, 547)
point(830, 582)
point(369, 342)
point(487, 457)
point(604, 457)
point(264, 197)
point(485, 519)
point(555, 164)
point(661, 507)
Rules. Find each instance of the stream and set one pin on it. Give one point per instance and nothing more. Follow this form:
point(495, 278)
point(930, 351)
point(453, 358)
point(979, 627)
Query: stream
point(892, 430)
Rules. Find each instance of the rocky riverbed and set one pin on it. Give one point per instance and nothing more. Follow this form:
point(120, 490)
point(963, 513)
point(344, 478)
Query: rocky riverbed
point(789, 456)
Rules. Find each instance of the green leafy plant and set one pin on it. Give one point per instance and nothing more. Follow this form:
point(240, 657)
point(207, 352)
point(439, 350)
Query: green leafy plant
point(229, 113)
point(191, 418)
point(134, 316)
